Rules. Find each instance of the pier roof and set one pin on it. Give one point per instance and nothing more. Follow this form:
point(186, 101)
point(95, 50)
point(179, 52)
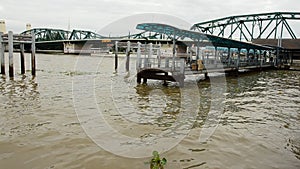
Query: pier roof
point(198, 37)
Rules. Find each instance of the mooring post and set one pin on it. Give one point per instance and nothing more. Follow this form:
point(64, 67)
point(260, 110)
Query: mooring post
point(33, 70)
point(260, 58)
point(182, 67)
point(253, 60)
point(191, 55)
point(150, 50)
point(174, 51)
point(206, 76)
point(11, 53)
point(238, 59)
point(187, 50)
point(150, 55)
point(22, 59)
point(197, 50)
point(116, 55)
point(216, 53)
point(248, 51)
point(228, 57)
point(167, 62)
point(127, 56)
point(159, 57)
point(203, 57)
point(138, 60)
point(292, 58)
point(2, 60)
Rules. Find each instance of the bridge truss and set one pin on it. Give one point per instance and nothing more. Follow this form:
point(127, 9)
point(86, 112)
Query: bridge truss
point(49, 34)
point(149, 35)
point(82, 34)
point(249, 27)
point(46, 34)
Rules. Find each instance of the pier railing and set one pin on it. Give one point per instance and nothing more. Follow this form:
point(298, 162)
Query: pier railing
point(149, 57)
point(173, 65)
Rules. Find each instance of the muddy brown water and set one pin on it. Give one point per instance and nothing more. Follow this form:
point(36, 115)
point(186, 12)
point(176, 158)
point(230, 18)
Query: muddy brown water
point(257, 123)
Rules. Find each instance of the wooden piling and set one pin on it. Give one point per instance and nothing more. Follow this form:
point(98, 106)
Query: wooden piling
point(159, 57)
point(206, 76)
point(11, 54)
point(174, 52)
point(150, 50)
point(138, 63)
point(248, 55)
point(127, 56)
point(22, 58)
point(33, 66)
point(2, 58)
point(167, 62)
point(116, 55)
point(139, 79)
point(197, 49)
point(238, 59)
point(228, 57)
point(260, 58)
point(216, 55)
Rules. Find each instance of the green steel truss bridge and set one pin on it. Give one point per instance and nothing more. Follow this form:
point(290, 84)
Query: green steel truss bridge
point(242, 27)
point(254, 26)
point(266, 29)
point(49, 34)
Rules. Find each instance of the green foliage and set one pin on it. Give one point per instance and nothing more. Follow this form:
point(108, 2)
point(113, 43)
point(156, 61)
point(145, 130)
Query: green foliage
point(156, 162)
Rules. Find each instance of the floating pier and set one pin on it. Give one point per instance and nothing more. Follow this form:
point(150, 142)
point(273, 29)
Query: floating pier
point(192, 61)
point(151, 63)
point(8, 41)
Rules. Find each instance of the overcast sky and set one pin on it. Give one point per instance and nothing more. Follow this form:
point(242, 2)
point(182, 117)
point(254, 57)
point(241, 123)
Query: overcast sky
point(96, 15)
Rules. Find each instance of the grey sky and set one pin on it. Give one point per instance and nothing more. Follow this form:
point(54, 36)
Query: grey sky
point(96, 14)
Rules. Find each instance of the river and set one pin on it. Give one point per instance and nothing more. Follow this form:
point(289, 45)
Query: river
point(79, 113)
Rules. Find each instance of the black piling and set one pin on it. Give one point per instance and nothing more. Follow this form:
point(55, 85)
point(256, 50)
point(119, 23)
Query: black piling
point(33, 65)
point(128, 56)
point(11, 54)
point(116, 56)
point(22, 58)
point(2, 58)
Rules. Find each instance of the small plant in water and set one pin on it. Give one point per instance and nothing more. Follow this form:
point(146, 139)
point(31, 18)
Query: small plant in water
point(156, 162)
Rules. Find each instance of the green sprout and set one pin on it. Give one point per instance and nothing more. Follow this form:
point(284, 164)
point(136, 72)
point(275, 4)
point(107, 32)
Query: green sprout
point(156, 162)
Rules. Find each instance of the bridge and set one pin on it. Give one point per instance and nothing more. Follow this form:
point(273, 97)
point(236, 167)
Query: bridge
point(250, 27)
point(260, 28)
point(274, 29)
point(49, 34)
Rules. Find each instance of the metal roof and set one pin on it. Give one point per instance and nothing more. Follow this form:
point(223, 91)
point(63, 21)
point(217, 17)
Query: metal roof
point(197, 36)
